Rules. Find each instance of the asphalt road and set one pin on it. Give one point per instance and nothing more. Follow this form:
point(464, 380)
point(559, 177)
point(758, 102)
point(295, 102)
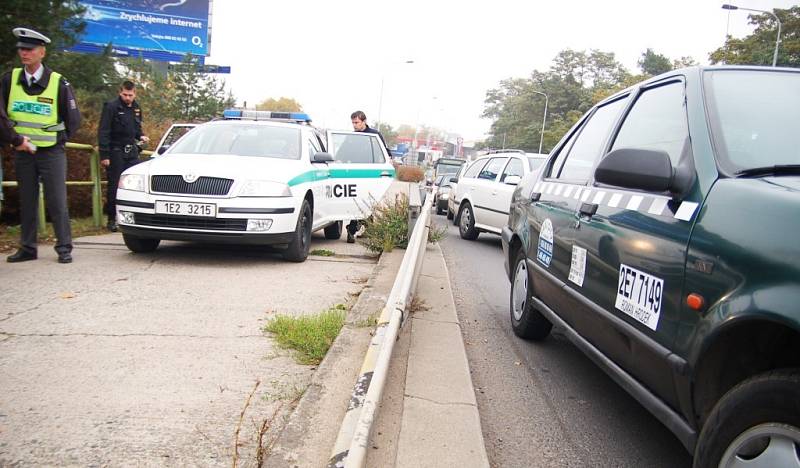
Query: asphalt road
point(543, 404)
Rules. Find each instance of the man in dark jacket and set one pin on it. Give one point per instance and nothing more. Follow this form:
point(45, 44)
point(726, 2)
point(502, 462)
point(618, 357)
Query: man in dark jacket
point(359, 121)
point(42, 106)
point(118, 136)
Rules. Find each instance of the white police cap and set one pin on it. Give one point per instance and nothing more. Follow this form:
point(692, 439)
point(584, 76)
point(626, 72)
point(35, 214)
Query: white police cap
point(28, 38)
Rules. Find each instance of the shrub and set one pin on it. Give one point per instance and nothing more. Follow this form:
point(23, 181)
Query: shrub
point(387, 227)
point(410, 174)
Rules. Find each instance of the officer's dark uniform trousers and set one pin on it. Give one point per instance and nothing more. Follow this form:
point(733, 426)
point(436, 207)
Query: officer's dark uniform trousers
point(48, 165)
point(119, 160)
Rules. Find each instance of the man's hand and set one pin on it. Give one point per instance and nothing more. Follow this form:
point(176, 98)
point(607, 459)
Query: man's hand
point(144, 139)
point(105, 162)
point(26, 146)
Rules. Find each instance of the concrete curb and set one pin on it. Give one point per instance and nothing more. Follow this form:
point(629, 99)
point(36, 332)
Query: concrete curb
point(310, 430)
point(430, 417)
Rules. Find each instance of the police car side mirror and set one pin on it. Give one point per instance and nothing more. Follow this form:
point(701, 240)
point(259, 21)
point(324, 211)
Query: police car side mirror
point(636, 168)
point(162, 149)
point(512, 180)
point(323, 157)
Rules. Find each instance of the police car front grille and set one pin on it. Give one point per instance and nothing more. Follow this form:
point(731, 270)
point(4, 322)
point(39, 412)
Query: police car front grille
point(202, 186)
point(191, 222)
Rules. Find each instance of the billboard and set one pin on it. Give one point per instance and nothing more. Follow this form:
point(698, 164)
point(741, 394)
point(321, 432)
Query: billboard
point(156, 29)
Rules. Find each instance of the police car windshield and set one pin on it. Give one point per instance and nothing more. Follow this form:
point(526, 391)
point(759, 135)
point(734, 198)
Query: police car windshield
point(756, 115)
point(241, 139)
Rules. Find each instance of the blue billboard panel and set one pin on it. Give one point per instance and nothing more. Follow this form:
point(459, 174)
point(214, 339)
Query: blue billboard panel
point(163, 26)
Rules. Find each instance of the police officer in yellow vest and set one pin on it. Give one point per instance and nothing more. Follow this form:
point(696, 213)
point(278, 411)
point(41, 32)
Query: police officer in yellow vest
point(42, 106)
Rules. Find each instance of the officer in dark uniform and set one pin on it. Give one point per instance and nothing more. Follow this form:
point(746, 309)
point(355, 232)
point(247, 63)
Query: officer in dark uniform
point(9, 136)
point(118, 136)
point(42, 106)
point(359, 121)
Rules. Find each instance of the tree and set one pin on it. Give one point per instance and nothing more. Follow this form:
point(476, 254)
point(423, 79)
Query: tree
point(282, 104)
point(60, 20)
point(196, 96)
point(654, 64)
point(758, 48)
point(388, 133)
point(571, 85)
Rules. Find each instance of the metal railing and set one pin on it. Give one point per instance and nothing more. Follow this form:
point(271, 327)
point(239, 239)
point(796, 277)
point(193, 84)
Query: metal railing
point(350, 449)
point(96, 183)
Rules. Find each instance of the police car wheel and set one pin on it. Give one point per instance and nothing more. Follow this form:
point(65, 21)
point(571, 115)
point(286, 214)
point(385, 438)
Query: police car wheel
point(526, 321)
point(298, 248)
point(334, 231)
point(466, 223)
point(140, 244)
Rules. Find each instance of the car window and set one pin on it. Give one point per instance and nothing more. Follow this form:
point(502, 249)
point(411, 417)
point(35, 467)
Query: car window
point(755, 118)
point(514, 167)
point(353, 148)
point(377, 154)
point(474, 169)
point(241, 140)
point(313, 148)
point(535, 163)
point(492, 168)
point(587, 145)
point(656, 121)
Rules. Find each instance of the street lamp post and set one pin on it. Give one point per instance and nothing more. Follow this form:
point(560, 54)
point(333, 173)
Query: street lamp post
point(544, 118)
point(728, 6)
point(380, 98)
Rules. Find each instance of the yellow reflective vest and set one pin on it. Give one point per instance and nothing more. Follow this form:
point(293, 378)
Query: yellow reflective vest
point(35, 116)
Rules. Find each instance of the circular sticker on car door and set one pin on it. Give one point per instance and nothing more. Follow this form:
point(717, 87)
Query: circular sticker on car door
point(545, 251)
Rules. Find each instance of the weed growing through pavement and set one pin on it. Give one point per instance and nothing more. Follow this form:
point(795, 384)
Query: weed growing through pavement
point(322, 252)
point(310, 336)
point(387, 226)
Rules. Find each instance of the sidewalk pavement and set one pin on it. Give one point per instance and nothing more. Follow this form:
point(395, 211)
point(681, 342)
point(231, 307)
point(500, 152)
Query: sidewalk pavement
point(428, 414)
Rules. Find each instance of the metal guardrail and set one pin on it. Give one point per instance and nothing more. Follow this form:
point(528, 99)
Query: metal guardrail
point(350, 449)
point(96, 183)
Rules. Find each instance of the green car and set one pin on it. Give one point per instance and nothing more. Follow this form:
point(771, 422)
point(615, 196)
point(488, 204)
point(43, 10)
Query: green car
point(663, 238)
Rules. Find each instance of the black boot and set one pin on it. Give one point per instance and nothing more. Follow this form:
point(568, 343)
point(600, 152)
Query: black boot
point(21, 255)
point(112, 225)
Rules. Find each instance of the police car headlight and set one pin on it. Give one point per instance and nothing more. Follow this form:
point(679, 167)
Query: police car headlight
point(131, 182)
point(445, 195)
point(264, 188)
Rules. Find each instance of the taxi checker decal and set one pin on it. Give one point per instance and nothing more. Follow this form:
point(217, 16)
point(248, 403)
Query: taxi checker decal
point(639, 295)
point(545, 251)
point(652, 204)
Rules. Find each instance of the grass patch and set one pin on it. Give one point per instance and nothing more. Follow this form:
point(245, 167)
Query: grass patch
point(9, 235)
point(368, 322)
point(309, 336)
point(322, 252)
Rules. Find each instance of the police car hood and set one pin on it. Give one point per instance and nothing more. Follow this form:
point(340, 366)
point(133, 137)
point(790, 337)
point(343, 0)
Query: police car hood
point(225, 166)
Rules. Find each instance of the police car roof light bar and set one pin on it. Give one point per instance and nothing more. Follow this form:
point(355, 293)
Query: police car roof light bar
point(245, 114)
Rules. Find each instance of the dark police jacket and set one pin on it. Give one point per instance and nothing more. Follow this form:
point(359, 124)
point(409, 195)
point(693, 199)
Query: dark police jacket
point(67, 106)
point(120, 125)
point(369, 129)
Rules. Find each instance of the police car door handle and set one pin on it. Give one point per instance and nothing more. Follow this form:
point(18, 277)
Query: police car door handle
point(385, 174)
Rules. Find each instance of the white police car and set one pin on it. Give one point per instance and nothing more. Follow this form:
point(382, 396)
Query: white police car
point(253, 177)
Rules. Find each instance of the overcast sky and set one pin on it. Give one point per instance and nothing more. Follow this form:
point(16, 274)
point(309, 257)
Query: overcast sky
point(332, 56)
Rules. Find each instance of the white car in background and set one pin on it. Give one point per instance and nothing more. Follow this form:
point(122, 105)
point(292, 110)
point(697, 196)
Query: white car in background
point(253, 178)
point(482, 195)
